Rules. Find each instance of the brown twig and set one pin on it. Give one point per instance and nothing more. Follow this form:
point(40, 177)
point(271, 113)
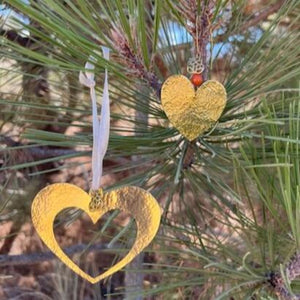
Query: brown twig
point(38, 152)
point(33, 86)
point(198, 24)
point(257, 19)
point(262, 15)
point(33, 258)
point(13, 36)
point(161, 66)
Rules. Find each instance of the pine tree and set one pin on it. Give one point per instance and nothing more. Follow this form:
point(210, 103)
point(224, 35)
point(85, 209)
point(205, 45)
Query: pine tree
point(230, 199)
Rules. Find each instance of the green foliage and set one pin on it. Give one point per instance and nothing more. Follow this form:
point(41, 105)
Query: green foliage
point(231, 218)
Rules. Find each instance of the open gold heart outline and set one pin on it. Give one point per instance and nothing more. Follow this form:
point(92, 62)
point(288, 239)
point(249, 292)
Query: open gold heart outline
point(135, 201)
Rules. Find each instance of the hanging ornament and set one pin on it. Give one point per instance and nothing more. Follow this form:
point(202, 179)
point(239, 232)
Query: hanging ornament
point(135, 201)
point(193, 106)
point(132, 200)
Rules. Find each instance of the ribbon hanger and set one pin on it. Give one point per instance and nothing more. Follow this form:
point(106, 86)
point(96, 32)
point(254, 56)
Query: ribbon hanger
point(132, 200)
point(101, 126)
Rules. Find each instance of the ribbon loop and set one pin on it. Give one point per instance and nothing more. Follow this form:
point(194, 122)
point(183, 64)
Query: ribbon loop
point(90, 83)
point(101, 127)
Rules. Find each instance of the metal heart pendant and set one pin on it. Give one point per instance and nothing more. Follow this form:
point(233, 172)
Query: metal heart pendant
point(192, 113)
point(135, 201)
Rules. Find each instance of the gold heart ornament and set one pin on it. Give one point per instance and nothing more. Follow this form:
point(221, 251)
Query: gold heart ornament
point(140, 204)
point(192, 112)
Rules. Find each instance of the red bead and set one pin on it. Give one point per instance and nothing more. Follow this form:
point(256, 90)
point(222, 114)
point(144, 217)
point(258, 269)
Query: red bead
point(197, 79)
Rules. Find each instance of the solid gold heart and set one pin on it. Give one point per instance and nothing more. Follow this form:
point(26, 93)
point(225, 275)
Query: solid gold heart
point(192, 113)
point(132, 200)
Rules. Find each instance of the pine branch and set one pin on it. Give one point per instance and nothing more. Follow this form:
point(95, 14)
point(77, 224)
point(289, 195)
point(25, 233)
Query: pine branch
point(134, 61)
point(292, 271)
point(200, 28)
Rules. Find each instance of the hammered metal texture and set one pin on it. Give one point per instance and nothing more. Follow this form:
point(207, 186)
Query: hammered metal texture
point(192, 113)
point(135, 201)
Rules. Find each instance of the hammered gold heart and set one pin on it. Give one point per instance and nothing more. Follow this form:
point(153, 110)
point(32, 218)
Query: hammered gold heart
point(192, 113)
point(135, 201)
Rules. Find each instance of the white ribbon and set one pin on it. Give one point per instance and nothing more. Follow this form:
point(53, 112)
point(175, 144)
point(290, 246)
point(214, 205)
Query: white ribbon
point(100, 125)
